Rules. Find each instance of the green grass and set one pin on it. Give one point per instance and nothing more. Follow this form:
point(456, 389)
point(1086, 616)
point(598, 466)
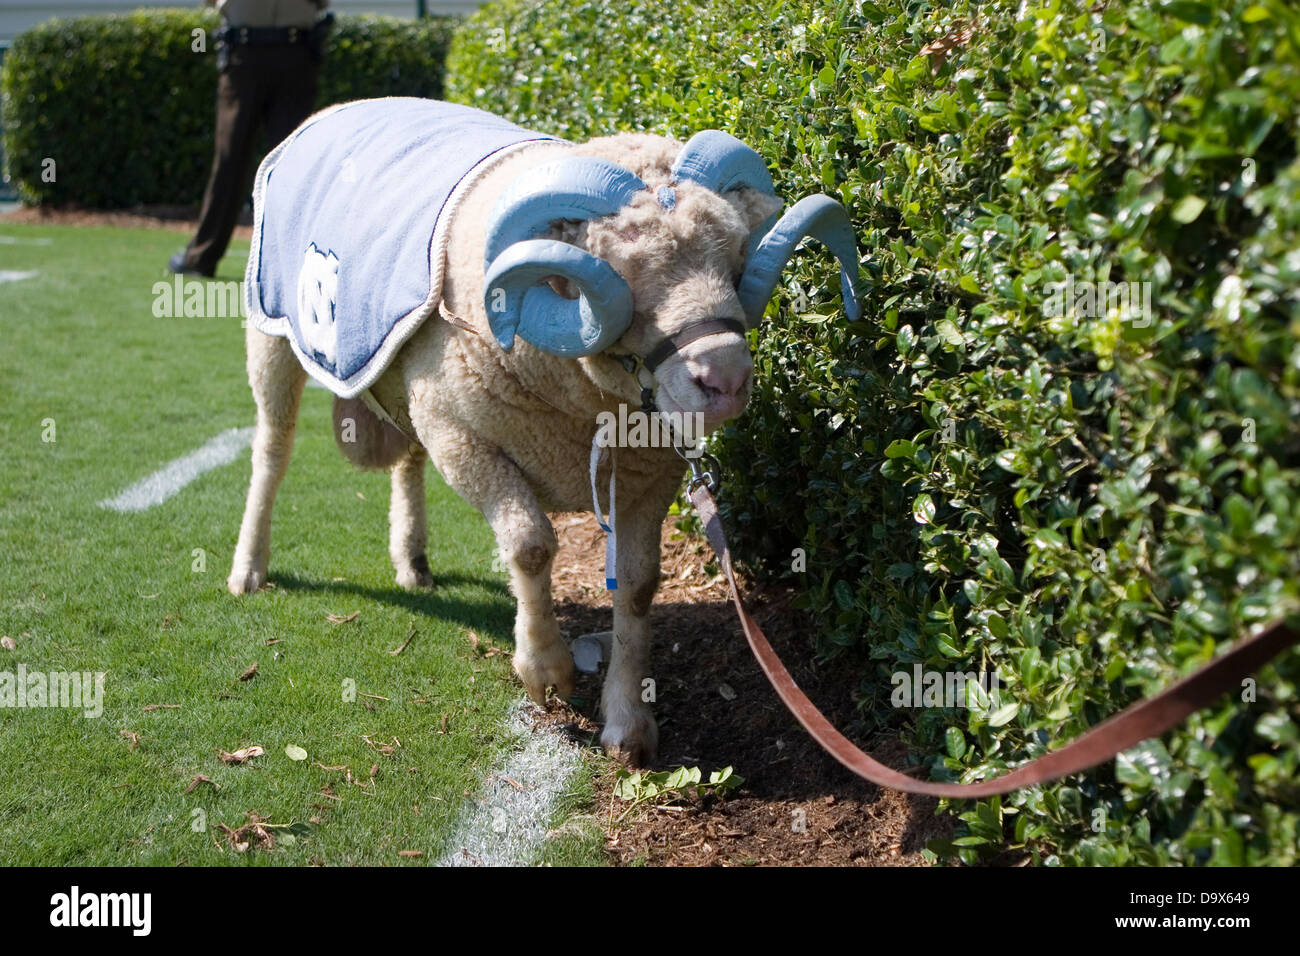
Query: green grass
point(87, 589)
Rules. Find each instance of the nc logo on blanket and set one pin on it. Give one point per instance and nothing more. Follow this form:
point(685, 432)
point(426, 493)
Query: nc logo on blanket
point(318, 290)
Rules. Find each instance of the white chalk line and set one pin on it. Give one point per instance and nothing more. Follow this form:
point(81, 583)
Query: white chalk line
point(172, 477)
point(9, 275)
point(509, 823)
point(23, 241)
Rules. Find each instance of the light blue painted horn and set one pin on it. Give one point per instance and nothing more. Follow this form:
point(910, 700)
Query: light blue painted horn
point(579, 187)
point(720, 162)
point(517, 304)
point(820, 217)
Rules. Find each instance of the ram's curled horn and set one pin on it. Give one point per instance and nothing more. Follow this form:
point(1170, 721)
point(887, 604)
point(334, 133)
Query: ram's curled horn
point(720, 162)
point(823, 219)
point(517, 304)
point(517, 261)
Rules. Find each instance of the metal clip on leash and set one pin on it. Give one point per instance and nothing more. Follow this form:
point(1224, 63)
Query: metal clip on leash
point(710, 477)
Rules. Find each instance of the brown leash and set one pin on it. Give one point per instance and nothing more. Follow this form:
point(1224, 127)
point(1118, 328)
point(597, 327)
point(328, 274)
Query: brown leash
point(1146, 718)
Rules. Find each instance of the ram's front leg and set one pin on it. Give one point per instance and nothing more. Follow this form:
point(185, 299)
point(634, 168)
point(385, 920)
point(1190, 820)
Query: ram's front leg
point(630, 729)
point(491, 482)
point(527, 544)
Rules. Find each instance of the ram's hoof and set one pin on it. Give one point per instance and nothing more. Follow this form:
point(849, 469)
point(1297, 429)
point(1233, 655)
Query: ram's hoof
point(245, 582)
point(416, 576)
point(632, 739)
point(551, 668)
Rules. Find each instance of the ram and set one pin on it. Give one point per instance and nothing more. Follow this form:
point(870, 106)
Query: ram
point(484, 296)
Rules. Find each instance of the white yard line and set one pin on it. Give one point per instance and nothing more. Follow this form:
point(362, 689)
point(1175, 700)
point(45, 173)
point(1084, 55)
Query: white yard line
point(9, 275)
point(509, 823)
point(172, 477)
point(23, 241)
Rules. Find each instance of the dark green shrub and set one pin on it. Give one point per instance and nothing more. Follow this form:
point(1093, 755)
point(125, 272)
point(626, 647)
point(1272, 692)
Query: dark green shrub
point(124, 105)
point(1090, 506)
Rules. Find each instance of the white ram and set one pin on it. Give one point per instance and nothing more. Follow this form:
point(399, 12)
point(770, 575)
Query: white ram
point(629, 267)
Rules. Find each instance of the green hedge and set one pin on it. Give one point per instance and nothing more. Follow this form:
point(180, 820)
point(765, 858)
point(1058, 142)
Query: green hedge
point(126, 107)
point(1077, 503)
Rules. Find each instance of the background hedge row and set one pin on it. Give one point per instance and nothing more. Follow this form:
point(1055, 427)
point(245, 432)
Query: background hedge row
point(1087, 506)
point(125, 104)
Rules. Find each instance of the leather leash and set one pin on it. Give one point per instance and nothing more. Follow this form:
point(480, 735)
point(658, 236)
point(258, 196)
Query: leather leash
point(1146, 718)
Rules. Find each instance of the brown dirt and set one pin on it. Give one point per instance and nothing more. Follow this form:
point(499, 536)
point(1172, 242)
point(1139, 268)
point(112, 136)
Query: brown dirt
point(797, 806)
point(175, 218)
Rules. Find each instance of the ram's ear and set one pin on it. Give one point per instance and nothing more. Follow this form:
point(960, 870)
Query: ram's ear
point(756, 207)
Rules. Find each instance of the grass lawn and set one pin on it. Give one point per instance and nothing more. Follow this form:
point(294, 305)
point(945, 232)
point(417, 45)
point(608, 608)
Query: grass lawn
point(141, 597)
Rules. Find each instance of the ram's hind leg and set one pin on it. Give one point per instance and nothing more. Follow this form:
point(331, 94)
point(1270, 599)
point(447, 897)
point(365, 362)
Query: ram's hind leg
point(277, 380)
point(407, 528)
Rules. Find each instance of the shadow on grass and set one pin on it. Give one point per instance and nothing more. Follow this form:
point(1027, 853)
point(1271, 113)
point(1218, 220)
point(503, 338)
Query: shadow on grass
point(494, 615)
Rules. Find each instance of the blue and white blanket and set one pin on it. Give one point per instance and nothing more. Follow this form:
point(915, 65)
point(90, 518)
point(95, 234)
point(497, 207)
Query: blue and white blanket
point(349, 233)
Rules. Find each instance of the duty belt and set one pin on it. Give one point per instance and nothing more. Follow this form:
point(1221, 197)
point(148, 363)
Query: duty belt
point(264, 36)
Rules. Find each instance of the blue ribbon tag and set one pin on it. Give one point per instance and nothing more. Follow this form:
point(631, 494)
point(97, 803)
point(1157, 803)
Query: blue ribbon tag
point(599, 444)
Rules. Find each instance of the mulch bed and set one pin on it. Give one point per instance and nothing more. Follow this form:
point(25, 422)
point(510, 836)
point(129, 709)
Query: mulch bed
point(797, 806)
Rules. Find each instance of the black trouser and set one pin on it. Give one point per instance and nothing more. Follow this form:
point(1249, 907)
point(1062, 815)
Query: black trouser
point(263, 86)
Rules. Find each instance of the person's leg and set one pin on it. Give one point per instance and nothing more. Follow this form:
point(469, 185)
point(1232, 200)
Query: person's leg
point(293, 97)
point(239, 107)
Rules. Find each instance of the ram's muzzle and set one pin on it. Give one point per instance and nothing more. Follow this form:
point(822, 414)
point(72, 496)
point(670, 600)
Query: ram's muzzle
point(517, 260)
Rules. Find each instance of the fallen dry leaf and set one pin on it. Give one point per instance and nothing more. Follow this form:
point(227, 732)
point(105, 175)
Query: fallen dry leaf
point(938, 49)
point(149, 707)
point(7, 643)
point(386, 749)
point(133, 737)
point(252, 834)
point(406, 643)
point(250, 673)
point(411, 854)
point(201, 778)
point(241, 756)
point(340, 619)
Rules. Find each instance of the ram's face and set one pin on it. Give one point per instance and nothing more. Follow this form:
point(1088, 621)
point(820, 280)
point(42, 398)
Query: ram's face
point(682, 264)
point(638, 246)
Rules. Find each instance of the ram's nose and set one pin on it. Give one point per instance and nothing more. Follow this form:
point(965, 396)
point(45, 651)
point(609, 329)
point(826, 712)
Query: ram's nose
point(726, 387)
